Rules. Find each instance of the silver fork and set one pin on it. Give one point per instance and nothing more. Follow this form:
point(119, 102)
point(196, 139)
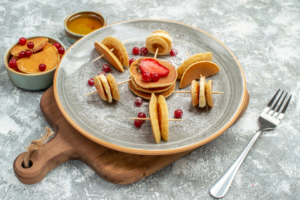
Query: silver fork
point(268, 120)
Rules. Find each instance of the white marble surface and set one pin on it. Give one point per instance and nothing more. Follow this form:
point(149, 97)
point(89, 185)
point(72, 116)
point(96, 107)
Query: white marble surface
point(263, 35)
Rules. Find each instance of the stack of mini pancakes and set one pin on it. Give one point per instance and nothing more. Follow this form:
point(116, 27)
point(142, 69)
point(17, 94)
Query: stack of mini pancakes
point(165, 86)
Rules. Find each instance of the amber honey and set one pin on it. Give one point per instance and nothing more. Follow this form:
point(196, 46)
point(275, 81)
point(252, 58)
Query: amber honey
point(84, 24)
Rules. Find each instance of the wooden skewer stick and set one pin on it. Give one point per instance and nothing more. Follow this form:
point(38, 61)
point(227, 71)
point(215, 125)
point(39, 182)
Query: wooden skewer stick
point(187, 53)
point(117, 84)
point(156, 53)
point(110, 50)
point(190, 92)
point(149, 119)
point(124, 82)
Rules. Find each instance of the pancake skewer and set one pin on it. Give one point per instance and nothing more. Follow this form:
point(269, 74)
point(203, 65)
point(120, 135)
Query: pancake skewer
point(146, 119)
point(110, 50)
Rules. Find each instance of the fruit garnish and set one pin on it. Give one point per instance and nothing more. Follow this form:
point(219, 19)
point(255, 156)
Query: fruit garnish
point(57, 45)
point(131, 61)
point(102, 73)
point(42, 67)
point(12, 63)
point(138, 101)
point(22, 54)
point(152, 66)
point(143, 51)
point(178, 113)
point(28, 53)
point(30, 45)
point(61, 50)
point(22, 41)
point(146, 76)
point(142, 115)
point(155, 77)
point(173, 52)
point(138, 123)
point(106, 68)
point(135, 50)
point(91, 81)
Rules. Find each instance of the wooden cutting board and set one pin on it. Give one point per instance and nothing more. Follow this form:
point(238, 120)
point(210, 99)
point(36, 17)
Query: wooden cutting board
point(68, 144)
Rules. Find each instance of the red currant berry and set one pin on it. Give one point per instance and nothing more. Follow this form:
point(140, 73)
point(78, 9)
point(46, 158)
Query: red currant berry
point(146, 76)
point(142, 115)
point(30, 45)
point(135, 50)
point(22, 54)
point(178, 113)
point(28, 53)
point(61, 50)
point(91, 81)
point(12, 63)
point(155, 77)
point(57, 45)
point(173, 52)
point(131, 61)
point(42, 67)
point(138, 123)
point(106, 68)
point(143, 51)
point(22, 41)
point(101, 73)
point(138, 101)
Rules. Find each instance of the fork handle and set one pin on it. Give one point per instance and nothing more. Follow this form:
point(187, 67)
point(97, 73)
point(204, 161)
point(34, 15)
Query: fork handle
point(221, 186)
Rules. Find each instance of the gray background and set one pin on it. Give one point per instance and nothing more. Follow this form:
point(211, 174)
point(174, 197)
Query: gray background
point(263, 35)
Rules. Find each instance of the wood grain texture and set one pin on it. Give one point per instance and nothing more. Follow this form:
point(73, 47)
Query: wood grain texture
point(68, 144)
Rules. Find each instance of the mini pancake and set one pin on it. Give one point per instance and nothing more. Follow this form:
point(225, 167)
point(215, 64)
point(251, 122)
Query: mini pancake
point(164, 35)
point(163, 116)
point(49, 57)
point(39, 44)
point(119, 49)
point(206, 68)
point(100, 88)
point(202, 100)
point(113, 87)
point(148, 95)
point(154, 42)
point(163, 81)
point(208, 92)
point(109, 56)
point(154, 118)
point(195, 92)
point(191, 60)
point(150, 90)
point(106, 87)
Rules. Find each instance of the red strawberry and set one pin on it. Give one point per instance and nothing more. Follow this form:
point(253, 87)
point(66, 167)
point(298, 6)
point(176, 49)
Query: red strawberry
point(152, 66)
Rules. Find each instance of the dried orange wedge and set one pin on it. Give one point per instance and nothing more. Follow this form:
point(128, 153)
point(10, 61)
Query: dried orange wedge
point(49, 57)
point(39, 44)
point(205, 68)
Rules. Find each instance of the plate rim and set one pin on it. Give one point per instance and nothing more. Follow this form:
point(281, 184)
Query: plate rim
point(143, 151)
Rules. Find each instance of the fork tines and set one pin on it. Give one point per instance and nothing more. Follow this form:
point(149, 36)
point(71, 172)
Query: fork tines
point(272, 107)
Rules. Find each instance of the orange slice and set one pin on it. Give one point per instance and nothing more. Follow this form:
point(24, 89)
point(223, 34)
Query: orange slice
point(154, 118)
point(49, 57)
point(205, 68)
point(109, 56)
point(163, 81)
point(39, 44)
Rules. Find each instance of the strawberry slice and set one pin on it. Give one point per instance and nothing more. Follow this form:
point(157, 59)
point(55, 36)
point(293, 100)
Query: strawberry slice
point(152, 66)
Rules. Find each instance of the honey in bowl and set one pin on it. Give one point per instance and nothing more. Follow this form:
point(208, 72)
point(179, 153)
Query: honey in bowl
point(83, 24)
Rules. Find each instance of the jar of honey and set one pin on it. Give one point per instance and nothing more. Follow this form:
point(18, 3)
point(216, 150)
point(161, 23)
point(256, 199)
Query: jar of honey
point(82, 23)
